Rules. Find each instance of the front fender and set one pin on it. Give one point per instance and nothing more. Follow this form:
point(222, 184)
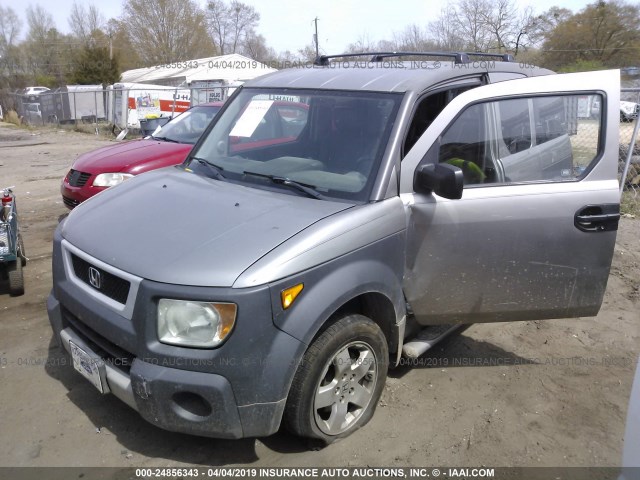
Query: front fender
point(376, 268)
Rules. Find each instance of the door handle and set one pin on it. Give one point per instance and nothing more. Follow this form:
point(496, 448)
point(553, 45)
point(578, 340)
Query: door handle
point(598, 218)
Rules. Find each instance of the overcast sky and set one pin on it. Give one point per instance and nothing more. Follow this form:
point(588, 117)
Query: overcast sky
point(288, 24)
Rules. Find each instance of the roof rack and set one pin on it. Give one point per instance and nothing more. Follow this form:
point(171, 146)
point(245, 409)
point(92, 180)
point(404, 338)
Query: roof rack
point(323, 60)
point(458, 57)
point(505, 57)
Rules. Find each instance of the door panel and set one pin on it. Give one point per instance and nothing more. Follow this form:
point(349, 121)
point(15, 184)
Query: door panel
point(514, 251)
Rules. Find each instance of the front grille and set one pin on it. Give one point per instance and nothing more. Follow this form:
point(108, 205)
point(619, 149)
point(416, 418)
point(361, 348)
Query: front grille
point(105, 349)
point(104, 282)
point(77, 179)
point(70, 202)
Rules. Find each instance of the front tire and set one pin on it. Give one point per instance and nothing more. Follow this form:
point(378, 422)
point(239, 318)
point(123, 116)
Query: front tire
point(339, 381)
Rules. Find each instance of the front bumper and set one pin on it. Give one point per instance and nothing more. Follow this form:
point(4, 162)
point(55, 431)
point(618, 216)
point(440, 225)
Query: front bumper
point(236, 390)
point(173, 399)
point(176, 400)
point(74, 196)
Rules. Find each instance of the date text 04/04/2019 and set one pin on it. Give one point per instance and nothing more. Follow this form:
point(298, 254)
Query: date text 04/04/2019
point(276, 472)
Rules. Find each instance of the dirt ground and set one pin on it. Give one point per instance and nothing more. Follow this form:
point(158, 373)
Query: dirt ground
point(478, 400)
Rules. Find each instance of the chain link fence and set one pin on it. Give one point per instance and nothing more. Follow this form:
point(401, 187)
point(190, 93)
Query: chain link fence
point(118, 107)
point(629, 151)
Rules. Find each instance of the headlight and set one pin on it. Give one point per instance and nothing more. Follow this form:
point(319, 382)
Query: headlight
point(110, 179)
point(195, 324)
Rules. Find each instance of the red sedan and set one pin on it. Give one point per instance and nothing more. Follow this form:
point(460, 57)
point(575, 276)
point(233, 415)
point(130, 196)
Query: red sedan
point(105, 167)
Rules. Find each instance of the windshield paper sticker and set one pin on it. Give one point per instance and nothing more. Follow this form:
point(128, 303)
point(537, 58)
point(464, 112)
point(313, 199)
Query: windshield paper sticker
point(251, 118)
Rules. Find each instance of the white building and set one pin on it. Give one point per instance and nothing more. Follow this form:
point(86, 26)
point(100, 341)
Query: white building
point(226, 69)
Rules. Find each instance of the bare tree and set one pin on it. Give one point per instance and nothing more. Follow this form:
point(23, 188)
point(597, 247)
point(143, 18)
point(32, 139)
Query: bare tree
point(364, 43)
point(527, 31)
point(414, 39)
point(166, 31)
point(45, 49)
point(10, 26)
point(255, 46)
point(498, 20)
point(511, 29)
point(230, 25)
point(387, 45)
point(470, 19)
point(83, 22)
point(445, 31)
point(40, 23)
point(307, 54)
point(218, 24)
point(243, 19)
point(482, 26)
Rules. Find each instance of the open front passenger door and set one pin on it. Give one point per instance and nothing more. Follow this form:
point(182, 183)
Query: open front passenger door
point(533, 235)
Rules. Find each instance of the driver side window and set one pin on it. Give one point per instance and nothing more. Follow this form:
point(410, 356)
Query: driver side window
point(545, 138)
point(465, 144)
point(426, 112)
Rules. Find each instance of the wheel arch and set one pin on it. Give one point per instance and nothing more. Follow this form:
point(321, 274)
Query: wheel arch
point(374, 305)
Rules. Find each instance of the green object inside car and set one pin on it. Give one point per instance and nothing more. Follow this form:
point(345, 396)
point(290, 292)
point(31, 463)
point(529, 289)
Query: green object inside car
point(472, 172)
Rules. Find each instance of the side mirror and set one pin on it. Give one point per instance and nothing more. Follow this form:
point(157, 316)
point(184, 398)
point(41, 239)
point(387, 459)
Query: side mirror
point(442, 179)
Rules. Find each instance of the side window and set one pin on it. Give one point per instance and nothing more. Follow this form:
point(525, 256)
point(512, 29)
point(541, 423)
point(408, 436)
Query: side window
point(428, 109)
point(515, 124)
point(550, 118)
point(466, 145)
point(545, 138)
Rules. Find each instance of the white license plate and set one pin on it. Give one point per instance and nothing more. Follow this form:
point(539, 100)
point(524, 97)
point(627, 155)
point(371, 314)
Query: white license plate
point(89, 366)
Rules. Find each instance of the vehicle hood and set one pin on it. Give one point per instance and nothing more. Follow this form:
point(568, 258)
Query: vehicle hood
point(132, 157)
point(176, 227)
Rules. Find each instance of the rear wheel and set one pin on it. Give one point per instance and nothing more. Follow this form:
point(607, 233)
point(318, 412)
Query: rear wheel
point(339, 381)
point(16, 280)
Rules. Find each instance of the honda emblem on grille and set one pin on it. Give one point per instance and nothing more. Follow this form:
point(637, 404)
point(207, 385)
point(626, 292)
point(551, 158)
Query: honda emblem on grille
point(95, 279)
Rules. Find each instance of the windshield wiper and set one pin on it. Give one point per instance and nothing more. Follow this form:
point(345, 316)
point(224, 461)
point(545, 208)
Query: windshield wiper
point(165, 139)
point(309, 190)
point(213, 168)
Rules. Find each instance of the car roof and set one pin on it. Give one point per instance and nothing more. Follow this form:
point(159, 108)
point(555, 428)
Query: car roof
point(385, 76)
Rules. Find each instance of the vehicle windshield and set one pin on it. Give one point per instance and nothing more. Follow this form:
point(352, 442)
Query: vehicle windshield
point(308, 142)
point(188, 126)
